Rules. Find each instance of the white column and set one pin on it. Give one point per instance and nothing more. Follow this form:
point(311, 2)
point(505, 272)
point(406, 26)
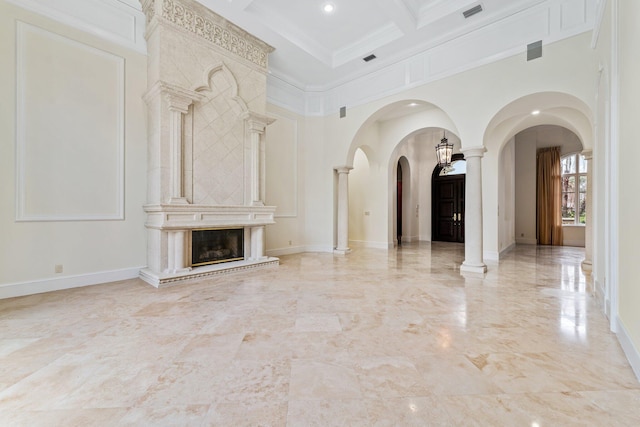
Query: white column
point(588, 230)
point(257, 242)
point(178, 105)
point(343, 210)
point(473, 257)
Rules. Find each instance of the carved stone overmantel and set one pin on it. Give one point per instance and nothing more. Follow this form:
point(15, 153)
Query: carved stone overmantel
point(206, 130)
point(196, 19)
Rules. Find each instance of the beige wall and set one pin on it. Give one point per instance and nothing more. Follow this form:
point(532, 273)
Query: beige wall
point(96, 146)
point(629, 137)
point(285, 181)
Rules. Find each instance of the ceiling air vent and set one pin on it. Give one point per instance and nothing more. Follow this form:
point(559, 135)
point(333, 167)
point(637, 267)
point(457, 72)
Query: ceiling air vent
point(369, 58)
point(472, 11)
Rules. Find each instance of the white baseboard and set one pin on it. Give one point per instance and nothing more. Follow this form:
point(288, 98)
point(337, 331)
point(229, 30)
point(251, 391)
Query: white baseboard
point(575, 243)
point(506, 250)
point(369, 244)
point(290, 250)
point(524, 241)
point(491, 256)
point(318, 248)
point(11, 290)
point(628, 347)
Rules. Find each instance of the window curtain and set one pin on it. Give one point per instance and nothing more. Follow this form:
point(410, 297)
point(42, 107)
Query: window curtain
point(549, 197)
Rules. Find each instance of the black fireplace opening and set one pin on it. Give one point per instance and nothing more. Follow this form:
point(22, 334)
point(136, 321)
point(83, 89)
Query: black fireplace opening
point(216, 246)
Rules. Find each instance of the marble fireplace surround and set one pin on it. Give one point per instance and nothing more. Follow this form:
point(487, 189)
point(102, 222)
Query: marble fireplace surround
point(206, 102)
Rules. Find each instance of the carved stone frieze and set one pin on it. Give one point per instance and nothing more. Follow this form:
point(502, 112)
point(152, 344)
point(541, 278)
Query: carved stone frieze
point(198, 20)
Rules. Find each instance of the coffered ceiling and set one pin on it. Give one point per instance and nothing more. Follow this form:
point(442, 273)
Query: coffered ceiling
point(318, 51)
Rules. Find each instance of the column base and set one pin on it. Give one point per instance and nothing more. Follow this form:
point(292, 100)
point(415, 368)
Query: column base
point(466, 267)
point(344, 251)
point(587, 267)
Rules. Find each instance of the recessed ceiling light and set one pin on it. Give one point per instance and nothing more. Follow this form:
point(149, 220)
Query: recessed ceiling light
point(535, 112)
point(328, 7)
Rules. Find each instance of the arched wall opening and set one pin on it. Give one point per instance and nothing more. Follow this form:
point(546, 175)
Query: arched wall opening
point(405, 132)
point(418, 149)
point(512, 138)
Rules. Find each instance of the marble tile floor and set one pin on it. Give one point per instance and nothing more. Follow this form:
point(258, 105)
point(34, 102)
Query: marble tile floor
point(374, 338)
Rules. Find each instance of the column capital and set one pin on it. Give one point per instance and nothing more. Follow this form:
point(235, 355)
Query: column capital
point(179, 98)
point(257, 122)
point(474, 151)
point(588, 154)
point(343, 169)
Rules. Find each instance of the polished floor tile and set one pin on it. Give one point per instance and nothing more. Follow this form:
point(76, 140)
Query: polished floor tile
point(374, 338)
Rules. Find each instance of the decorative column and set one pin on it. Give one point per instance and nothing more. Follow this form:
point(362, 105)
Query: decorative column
point(179, 104)
point(256, 124)
point(343, 210)
point(473, 257)
point(176, 252)
point(588, 229)
point(167, 105)
point(257, 243)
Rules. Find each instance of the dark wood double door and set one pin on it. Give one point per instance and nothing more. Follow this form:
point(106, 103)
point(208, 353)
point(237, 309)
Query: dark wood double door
point(448, 208)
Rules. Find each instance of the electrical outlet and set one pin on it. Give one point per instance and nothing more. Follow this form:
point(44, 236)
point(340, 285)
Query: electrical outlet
point(58, 268)
point(521, 234)
point(289, 242)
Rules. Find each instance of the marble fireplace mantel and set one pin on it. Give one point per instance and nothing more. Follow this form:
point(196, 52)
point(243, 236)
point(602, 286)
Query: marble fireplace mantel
point(188, 217)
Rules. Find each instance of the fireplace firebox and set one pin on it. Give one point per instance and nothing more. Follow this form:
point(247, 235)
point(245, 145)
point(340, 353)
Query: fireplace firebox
point(215, 246)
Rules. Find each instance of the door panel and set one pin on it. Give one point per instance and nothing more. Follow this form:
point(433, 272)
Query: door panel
point(448, 208)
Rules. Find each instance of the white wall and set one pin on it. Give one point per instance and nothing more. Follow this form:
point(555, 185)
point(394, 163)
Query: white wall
point(75, 165)
point(507, 192)
point(629, 204)
point(527, 143)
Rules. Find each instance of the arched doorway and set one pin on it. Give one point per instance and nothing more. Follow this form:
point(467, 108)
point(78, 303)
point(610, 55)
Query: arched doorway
point(447, 201)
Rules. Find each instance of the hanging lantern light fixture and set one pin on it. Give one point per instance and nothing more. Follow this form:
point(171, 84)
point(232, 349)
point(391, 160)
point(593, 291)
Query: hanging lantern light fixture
point(444, 151)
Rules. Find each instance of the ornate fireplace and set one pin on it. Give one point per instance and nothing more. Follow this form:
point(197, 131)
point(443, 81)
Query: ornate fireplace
point(206, 102)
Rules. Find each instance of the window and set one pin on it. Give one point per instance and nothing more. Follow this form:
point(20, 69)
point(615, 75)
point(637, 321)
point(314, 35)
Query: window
point(574, 189)
point(458, 167)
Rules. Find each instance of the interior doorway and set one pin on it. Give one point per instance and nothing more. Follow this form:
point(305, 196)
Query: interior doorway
point(447, 201)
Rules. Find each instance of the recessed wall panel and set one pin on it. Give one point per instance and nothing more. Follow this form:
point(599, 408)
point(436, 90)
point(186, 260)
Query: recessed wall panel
point(69, 144)
point(281, 174)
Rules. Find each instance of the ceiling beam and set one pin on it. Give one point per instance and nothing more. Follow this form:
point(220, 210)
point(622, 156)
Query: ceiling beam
point(400, 14)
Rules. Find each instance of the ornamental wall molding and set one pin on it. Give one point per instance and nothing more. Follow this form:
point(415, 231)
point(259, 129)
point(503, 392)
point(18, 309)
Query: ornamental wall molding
point(202, 22)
